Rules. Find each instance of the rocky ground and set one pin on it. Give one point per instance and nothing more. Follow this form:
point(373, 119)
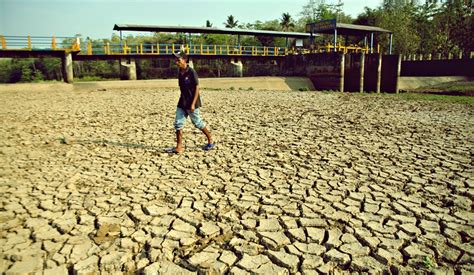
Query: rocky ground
point(300, 182)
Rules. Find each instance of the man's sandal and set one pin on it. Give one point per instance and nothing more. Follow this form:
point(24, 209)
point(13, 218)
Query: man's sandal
point(209, 147)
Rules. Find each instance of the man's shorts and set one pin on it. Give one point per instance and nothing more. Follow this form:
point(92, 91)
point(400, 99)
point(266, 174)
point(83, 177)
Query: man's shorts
point(182, 115)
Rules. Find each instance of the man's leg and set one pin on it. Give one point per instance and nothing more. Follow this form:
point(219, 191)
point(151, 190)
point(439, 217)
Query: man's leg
point(200, 124)
point(179, 141)
point(179, 122)
point(208, 134)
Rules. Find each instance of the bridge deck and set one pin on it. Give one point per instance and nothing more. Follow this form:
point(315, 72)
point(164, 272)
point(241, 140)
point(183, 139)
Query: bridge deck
point(169, 56)
point(25, 53)
point(84, 57)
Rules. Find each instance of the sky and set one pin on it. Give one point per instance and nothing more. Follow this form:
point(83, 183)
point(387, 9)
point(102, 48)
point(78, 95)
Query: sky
point(96, 18)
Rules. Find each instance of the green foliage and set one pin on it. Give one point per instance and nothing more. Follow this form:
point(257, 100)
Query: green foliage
point(464, 88)
point(101, 69)
point(29, 70)
point(231, 22)
point(26, 73)
point(423, 29)
point(456, 21)
point(214, 39)
point(89, 78)
point(5, 70)
point(399, 19)
point(432, 97)
point(37, 76)
point(427, 262)
point(272, 25)
point(429, 37)
point(370, 17)
point(50, 68)
point(317, 10)
point(286, 22)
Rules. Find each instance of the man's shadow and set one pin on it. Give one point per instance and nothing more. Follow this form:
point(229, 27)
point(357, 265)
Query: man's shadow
point(152, 149)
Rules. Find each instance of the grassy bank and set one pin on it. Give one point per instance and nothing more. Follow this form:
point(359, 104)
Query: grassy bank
point(420, 96)
point(435, 97)
point(457, 88)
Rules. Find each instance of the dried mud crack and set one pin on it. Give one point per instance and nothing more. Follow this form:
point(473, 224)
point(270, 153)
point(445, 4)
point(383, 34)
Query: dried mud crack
point(300, 182)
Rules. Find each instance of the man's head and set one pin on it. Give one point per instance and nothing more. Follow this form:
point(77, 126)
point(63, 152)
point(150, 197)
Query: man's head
point(180, 59)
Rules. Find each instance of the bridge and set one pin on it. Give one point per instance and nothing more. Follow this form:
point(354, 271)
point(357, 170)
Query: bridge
point(93, 51)
point(74, 48)
point(38, 46)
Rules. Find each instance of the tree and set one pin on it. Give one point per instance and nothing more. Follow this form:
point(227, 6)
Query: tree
point(457, 22)
point(231, 22)
point(26, 73)
point(115, 38)
point(425, 26)
point(369, 17)
point(339, 14)
point(272, 25)
point(37, 76)
point(5, 70)
point(286, 21)
point(398, 18)
point(317, 10)
point(208, 24)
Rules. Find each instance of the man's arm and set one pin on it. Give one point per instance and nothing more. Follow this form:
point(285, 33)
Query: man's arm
point(196, 95)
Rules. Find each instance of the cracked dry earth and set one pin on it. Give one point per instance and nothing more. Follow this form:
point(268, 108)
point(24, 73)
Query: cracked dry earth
point(300, 183)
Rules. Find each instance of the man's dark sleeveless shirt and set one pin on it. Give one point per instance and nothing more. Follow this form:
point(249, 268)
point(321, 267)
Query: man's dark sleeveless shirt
point(187, 84)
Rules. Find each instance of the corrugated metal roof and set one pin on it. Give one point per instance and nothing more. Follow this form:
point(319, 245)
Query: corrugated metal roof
point(351, 29)
point(187, 29)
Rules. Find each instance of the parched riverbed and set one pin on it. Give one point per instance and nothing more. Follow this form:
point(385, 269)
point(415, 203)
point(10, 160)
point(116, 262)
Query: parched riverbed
point(300, 182)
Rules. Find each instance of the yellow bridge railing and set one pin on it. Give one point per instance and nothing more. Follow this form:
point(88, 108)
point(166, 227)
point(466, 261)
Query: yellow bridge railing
point(195, 49)
point(30, 43)
point(344, 49)
point(201, 49)
point(74, 44)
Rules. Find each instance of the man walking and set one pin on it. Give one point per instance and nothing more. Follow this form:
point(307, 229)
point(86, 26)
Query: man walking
point(189, 103)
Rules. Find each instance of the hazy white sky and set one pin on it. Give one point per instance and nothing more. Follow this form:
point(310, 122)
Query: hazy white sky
point(96, 18)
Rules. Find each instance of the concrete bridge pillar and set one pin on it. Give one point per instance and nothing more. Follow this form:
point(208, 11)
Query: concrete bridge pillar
point(238, 67)
point(341, 72)
point(362, 72)
point(379, 73)
point(128, 69)
point(399, 69)
point(66, 62)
